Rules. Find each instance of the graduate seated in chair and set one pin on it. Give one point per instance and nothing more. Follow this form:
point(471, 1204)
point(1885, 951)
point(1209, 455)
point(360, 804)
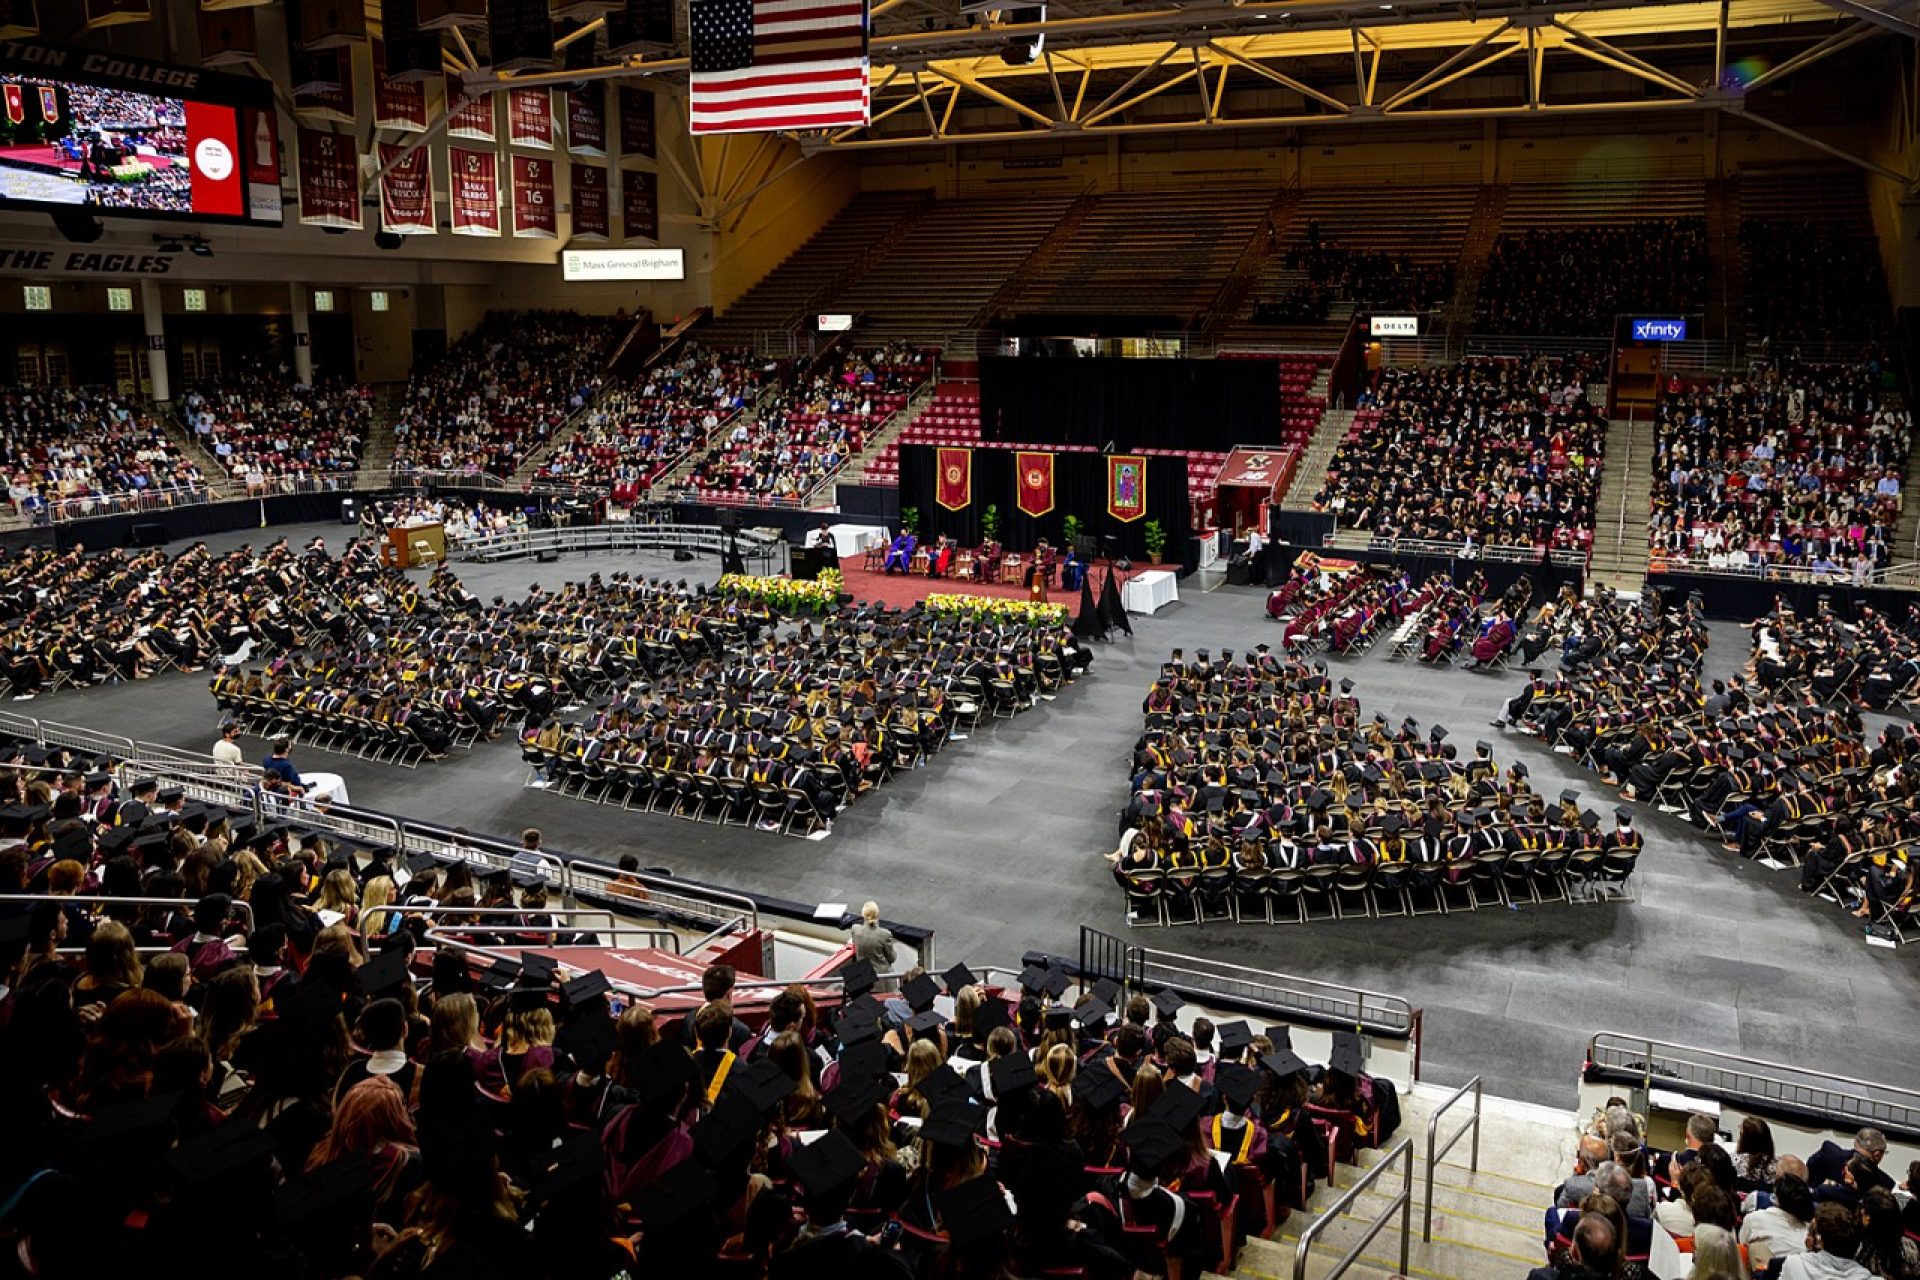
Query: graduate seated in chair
point(900, 554)
point(1493, 641)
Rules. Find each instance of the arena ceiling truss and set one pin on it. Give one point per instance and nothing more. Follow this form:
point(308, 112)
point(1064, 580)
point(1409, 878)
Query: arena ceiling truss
point(1106, 68)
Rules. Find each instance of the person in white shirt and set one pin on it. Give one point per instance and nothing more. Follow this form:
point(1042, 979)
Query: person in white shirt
point(1831, 1242)
point(227, 750)
point(1780, 1230)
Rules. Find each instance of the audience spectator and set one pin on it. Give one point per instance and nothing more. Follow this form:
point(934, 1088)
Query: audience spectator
point(1576, 281)
point(1823, 281)
point(70, 452)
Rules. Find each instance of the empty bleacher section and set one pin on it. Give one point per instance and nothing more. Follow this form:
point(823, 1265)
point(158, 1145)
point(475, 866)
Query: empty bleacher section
point(1419, 228)
point(939, 275)
point(1574, 255)
point(1163, 256)
point(1811, 258)
point(785, 295)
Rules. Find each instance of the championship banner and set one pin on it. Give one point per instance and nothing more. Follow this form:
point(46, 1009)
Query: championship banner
point(329, 180)
point(112, 13)
point(16, 103)
point(323, 84)
point(640, 205)
point(406, 193)
point(587, 192)
point(473, 191)
point(535, 216)
point(530, 118)
point(228, 37)
point(587, 120)
point(636, 122)
point(955, 490)
point(1034, 471)
point(397, 104)
point(473, 119)
point(1126, 486)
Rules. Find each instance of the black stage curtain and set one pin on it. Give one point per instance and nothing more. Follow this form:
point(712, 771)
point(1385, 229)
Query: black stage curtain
point(1134, 404)
point(1079, 488)
point(1744, 599)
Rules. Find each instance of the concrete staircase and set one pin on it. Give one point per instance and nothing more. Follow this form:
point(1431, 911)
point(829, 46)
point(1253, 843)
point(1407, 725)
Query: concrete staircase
point(1626, 487)
point(1062, 236)
point(855, 472)
point(1485, 1223)
point(1333, 428)
point(376, 451)
point(220, 485)
point(676, 476)
point(1235, 301)
point(1488, 212)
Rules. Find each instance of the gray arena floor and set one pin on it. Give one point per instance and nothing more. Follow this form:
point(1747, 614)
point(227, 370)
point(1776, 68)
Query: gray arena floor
point(997, 845)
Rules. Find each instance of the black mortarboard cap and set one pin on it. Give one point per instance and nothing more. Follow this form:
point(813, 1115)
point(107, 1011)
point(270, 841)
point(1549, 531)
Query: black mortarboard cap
point(664, 1068)
point(1237, 1084)
point(992, 1013)
point(1178, 1107)
point(384, 974)
point(1106, 989)
point(1011, 1073)
point(527, 999)
point(854, 1096)
point(762, 1083)
point(589, 1041)
point(1279, 1035)
point(920, 992)
point(1347, 1054)
point(827, 1165)
point(1283, 1062)
point(1235, 1036)
point(1346, 684)
point(1589, 819)
point(857, 978)
point(856, 1025)
point(957, 977)
point(538, 966)
point(925, 1021)
point(975, 1211)
point(584, 989)
point(1438, 732)
point(681, 1190)
point(867, 1060)
point(577, 1160)
point(952, 1123)
point(944, 1084)
point(1092, 1011)
point(343, 1184)
point(1098, 1088)
point(1057, 1017)
point(1624, 814)
point(1167, 1003)
point(1569, 796)
point(219, 1153)
point(731, 1125)
point(1033, 979)
point(1151, 1145)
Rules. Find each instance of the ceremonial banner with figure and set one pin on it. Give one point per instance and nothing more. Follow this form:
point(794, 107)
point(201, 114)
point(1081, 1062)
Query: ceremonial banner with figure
point(1034, 472)
point(955, 491)
point(1126, 486)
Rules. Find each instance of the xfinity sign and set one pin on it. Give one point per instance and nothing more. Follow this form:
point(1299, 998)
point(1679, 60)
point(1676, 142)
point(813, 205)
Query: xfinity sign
point(1659, 330)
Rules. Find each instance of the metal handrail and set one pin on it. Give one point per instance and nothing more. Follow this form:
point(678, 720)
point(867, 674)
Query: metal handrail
point(240, 905)
point(1401, 1152)
point(1372, 1012)
point(1433, 1157)
point(1840, 1098)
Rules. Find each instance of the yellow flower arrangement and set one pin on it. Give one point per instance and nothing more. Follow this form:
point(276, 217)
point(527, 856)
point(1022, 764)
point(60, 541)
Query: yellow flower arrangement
point(997, 609)
point(821, 595)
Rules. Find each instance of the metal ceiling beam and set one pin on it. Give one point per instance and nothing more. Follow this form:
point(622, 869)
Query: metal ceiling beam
point(1904, 181)
point(1422, 83)
point(1624, 61)
point(1845, 38)
point(1878, 17)
point(1280, 78)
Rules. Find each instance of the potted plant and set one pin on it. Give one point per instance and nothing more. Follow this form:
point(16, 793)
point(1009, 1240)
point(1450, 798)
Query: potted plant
point(1156, 536)
point(990, 523)
point(1070, 530)
point(910, 520)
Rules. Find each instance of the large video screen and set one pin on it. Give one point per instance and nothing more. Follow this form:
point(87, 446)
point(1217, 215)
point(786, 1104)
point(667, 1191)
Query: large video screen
point(125, 151)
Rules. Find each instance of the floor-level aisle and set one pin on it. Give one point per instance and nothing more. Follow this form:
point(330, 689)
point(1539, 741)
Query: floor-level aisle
point(997, 844)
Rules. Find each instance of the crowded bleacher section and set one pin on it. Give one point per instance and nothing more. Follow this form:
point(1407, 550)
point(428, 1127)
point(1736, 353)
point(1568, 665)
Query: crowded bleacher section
point(1501, 451)
point(68, 452)
point(270, 434)
point(1790, 464)
point(1390, 282)
point(1579, 280)
point(502, 391)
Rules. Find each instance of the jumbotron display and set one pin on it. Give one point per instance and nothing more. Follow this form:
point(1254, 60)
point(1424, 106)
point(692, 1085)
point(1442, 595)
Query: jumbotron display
point(116, 149)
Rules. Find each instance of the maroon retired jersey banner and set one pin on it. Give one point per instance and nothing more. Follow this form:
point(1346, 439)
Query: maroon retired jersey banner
point(587, 120)
point(587, 190)
point(1034, 471)
point(955, 490)
point(471, 118)
point(473, 190)
point(323, 85)
point(530, 118)
point(640, 205)
point(1126, 486)
point(535, 213)
point(329, 180)
point(636, 122)
point(406, 192)
point(397, 104)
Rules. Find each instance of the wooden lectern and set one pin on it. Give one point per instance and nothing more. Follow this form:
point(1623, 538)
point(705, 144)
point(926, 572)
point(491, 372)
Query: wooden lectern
point(415, 544)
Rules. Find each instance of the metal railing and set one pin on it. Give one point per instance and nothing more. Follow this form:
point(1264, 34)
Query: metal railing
point(769, 556)
point(1371, 1012)
point(1433, 1157)
point(1840, 1099)
point(91, 506)
point(1401, 1153)
point(239, 905)
point(445, 921)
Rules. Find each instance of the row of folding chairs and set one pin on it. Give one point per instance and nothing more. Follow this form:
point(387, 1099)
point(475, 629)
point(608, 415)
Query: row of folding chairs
point(1354, 891)
point(334, 732)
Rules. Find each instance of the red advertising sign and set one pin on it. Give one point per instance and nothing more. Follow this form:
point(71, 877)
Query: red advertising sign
point(473, 189)
point(592, 213)
point(530, 118)
point(470, 118)
point(218, 183)
point(535, 215)
point(587, 120)
point(261, 144)
point(406, 192)
point(640, 205)
point(329, 180)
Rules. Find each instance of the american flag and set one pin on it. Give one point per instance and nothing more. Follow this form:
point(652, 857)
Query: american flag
point(762, 65)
